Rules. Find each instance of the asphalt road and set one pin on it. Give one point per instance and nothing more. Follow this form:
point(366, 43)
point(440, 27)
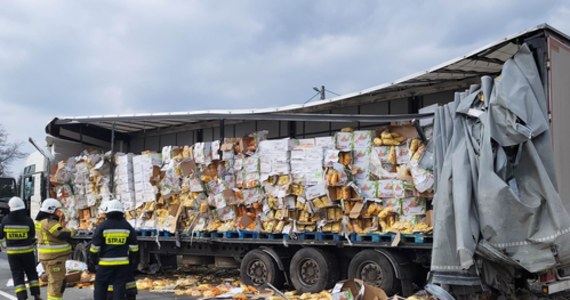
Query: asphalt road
point(70, 292)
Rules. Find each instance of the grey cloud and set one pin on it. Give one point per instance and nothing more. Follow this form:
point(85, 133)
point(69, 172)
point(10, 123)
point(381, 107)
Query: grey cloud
point(105, 57)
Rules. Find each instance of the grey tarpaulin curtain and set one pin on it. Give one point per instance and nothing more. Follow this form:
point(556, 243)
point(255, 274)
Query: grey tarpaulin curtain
point(495, 175)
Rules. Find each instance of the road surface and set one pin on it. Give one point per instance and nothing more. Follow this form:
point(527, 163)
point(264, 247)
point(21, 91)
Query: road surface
point(70, 293)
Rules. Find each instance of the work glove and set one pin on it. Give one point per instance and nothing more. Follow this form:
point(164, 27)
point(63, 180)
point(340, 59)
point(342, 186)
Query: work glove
point(2, 244)
point(134, 259)
point(92, 261)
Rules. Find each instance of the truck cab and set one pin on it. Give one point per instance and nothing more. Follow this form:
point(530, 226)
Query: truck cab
point(8, 189)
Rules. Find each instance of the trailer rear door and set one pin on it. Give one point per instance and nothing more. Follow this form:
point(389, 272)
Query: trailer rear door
point(559, 95)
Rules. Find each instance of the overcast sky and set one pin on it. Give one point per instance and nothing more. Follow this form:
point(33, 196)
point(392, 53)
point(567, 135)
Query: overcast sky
point(71, 58)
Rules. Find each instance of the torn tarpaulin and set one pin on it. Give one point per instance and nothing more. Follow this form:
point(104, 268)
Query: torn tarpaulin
point(495, 179)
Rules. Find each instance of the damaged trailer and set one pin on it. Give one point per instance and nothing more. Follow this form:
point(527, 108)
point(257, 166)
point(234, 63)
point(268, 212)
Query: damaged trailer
point(498, 152)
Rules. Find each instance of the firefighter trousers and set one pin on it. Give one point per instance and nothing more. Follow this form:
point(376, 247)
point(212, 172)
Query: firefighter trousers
point(55, 270)
point(115, 275)
point(20, 264)
point(130, 286)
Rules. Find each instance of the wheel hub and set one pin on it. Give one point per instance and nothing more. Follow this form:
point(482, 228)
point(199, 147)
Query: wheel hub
point(372, 273)
point(257, 271)
point(309, 271)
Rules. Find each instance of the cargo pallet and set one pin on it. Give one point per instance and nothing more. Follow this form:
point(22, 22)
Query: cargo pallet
point(389, 237)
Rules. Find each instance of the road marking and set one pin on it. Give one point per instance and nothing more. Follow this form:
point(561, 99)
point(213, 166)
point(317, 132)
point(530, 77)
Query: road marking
point(7, 296)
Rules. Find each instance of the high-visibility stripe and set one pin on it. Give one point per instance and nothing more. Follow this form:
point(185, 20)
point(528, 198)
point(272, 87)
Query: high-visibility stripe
point(20, 288)
point(94, 249)
point(44, 235)
point(131, 285)
point(34, 283)
point(113, 261)
point(54, 248)
point(128, 286)
point(20, 250)
point(54, 228)
point(134, 248)
point(111, 231)
point(50, 297)
point(16, 228)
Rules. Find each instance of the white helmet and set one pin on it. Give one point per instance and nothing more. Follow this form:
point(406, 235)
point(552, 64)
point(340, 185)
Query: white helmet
point(114, 206)
point(50, 205)
point(16, 203)
point(103, 207)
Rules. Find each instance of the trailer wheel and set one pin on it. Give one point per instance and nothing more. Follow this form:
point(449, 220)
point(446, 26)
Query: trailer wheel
point(257, 268)
point(313, 270)
point(80, 252)
point(374, 268)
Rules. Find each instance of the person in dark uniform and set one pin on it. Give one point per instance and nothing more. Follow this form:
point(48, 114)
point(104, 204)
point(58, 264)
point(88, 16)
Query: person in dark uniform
point(114, 249)
point(17, 231)
point(131, 286)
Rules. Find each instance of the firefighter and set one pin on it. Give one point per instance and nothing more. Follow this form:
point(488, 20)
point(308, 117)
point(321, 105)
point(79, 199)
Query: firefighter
point(18, 233)
point(131, 285)
point(53, 246)
point(114, 249)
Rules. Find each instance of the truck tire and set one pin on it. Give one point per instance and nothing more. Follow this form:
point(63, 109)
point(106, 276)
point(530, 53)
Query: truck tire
point(313, 270)
point(80, 251)
point(257, 268)
point(374, 268)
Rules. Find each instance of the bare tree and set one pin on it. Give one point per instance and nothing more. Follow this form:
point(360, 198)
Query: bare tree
point(8, 151)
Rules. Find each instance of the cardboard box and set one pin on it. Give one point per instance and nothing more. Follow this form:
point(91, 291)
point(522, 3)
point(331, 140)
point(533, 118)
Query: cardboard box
point(363, 138)
point(281, 145)
point(331, 156)
point(395, 204)
point(413, 206)
point(368, 189)
point(203, 152)
point(382, 152)
point(406, 130)
point(215, 150)
point(344, 141)
point(307, 153)
point(326, 142)
point(359, 290)
point(306, 142)
point(402, 154)
point(315, 191)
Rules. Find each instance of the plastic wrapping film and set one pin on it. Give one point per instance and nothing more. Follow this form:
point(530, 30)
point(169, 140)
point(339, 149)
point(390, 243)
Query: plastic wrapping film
point(495, 183)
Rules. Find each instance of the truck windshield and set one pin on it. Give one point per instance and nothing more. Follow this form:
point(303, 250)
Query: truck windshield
point(7, 188)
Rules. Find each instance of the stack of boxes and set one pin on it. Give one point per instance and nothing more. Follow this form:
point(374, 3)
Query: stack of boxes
point(125, 181)
point(81, 183)
point(357, 181)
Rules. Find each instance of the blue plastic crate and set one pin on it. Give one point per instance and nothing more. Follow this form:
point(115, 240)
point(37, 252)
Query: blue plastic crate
point(307, 236)
point(273, 236)
point(375, 238)
point(328, 236)
point(418, 238)
point(224, 234)
point(248, 235)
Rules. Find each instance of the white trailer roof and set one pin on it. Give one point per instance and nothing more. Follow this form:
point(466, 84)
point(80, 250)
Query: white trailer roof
point(453, 74)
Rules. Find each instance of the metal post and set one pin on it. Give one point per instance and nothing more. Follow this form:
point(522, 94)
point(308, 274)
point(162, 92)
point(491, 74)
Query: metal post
point(323, 92)
point(292, 129)
point(222, 137)
point(112, 183)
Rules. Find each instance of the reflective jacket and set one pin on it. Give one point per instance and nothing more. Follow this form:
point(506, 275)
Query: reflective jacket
point(52, 239)
point(18, 231)
point(114, 242)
